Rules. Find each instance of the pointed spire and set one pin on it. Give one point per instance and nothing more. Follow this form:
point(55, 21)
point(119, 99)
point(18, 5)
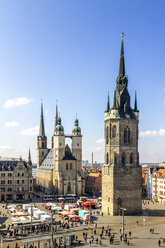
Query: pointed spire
point(56, 117)
point(135, 104)
point(42, 128)
point(29, 158)
point(108, 103)
point(122, 64)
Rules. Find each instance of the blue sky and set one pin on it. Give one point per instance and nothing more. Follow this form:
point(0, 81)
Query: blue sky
point(68, 50)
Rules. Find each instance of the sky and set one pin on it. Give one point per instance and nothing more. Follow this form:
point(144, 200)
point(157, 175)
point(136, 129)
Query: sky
point(67, 51)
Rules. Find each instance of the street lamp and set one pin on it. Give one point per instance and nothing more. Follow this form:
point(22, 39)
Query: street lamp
point(52, 227)
point(123, 209)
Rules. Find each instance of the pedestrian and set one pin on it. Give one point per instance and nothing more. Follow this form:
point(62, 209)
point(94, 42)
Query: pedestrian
point(100, 243)
point(128, 242)
point(130, 234)
point(159, 242)
point(90, 243)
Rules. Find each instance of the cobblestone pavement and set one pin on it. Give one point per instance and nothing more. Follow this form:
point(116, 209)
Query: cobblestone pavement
point(141, 235)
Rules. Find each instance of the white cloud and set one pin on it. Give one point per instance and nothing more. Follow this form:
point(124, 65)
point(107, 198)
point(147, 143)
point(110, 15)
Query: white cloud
point(99, 141)
point(98, 148)
point(16, 102)
point(5, 147)
point(30, 131)
point(152, 133)
point(12, 124)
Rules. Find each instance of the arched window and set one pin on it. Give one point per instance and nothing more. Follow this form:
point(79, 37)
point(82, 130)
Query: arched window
point(67, 166)
point(71, 166)
point(43, 144)
point(127, 135)
point(114, 131)
point(107, 158)
point(123, 158)
point(131, 158)
point(107, 136)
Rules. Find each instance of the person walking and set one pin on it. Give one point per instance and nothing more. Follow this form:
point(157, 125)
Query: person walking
point(159, 242)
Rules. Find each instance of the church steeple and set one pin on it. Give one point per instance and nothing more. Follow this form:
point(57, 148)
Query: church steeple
point(29, 158)
point(42, 139)
point(122, 63)
point(42, 128)
point(56, 117)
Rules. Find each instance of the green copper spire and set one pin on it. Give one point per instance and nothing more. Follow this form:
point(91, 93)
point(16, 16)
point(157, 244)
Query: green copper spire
point(108, 103)
point(76, 127)
point(122, 63)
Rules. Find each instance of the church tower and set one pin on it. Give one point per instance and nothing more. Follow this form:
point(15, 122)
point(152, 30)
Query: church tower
point(121, 177)
point(41, 141)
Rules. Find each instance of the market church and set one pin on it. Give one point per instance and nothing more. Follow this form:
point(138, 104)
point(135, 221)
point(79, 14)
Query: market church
point(59, 169)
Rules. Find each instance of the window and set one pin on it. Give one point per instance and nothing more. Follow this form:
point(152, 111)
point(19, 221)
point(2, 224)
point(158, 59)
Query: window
point(43, 145)
point(131, 158)
point(115, 159)
point(30, 188)
point(107, 158)
point(22, 189)
point(9, 189)
point(123, 158)
point(9, 181)
point(2, 189)
point(108, 199)
point(71, 166)
point(9, 174)
point(77, 144)
point(107, 136)
point(30, 181)
point(127, 135)
point(2, 174)
point(23, 181)
point(18, 174)
point(114, 131)
point(17, 181)
point(2, 181)
point(67, 166)
point(22, 174)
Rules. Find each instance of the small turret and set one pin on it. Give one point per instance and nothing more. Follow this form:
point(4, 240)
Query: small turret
point(108, 103)
point(76, 128)
point(59, 127)
point(136, 111)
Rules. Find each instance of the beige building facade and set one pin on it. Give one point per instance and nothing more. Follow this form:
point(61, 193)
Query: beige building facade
point(16, 180)
point(121, 176)
point(59, 169)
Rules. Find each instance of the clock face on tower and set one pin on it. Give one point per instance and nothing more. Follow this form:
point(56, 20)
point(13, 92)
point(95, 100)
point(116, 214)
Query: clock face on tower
point(128, 169)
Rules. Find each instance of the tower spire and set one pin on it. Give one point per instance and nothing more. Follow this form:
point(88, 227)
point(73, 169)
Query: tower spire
point(29, 157)
point(108, 103)
point(56, 117)
point(42, 128)
point(122, 63)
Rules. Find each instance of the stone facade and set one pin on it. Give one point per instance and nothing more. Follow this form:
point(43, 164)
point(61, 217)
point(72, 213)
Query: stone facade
point(59, 169)
point(121, 176)
point(16, 180)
